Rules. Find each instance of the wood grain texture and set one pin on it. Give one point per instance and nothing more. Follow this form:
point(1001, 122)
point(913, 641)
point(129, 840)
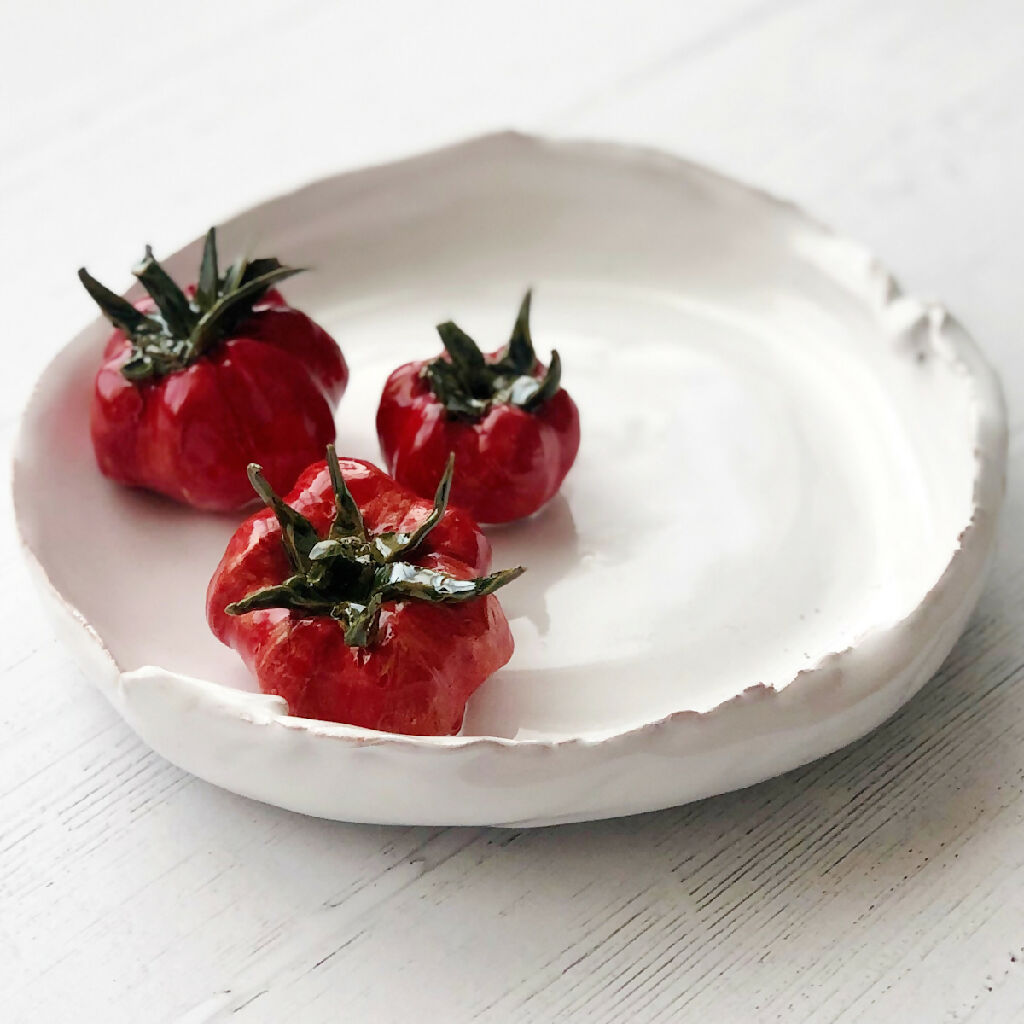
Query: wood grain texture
point(883, 883)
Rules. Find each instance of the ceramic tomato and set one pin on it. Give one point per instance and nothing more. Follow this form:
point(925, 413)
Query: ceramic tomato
point(197, 383)
point(512, 426)
point(359, 602)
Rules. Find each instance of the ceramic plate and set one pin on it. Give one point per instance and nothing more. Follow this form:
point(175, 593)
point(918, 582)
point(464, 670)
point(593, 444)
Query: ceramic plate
point(777, 526)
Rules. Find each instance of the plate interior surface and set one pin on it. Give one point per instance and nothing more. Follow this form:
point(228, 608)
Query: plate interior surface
point(748, 496)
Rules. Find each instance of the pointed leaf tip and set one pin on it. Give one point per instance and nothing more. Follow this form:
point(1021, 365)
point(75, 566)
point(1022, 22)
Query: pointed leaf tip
point(118, 310)
point(209, 273)
point(444, 485)
point(549, 385)
point(436, 514)
point(501, 578)
point(466, 358)
point(519, 355)
point(172, 302)
point(348, 520)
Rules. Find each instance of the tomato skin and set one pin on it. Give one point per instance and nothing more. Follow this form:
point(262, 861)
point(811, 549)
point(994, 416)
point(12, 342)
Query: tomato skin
point(509, 463)
point(266, 394)
point(428, 659)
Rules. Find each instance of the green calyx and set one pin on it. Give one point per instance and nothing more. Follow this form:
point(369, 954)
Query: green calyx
point(182, 329)
point(350, 574)
point(467, 385)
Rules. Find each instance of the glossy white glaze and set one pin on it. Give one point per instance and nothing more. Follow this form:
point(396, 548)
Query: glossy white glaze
point(777, 526)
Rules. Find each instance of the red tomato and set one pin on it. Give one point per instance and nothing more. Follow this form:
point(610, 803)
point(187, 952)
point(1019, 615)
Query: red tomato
point(194, 385)
point(514, 430)
point(302, 618)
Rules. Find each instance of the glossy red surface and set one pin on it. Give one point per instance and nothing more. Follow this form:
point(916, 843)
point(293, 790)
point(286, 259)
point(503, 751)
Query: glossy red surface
point(265, 395)
point(507, 464)
point(428, 659)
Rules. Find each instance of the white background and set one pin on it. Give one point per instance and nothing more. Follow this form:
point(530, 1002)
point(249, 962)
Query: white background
point(883, 883)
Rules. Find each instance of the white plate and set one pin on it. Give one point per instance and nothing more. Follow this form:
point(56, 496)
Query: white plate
point(777, 526)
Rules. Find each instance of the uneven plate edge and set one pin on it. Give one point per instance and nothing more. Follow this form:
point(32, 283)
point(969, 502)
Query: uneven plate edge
point(846, 260)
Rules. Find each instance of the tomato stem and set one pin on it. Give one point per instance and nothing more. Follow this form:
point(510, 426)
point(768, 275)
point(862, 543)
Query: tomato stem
point(184, 329)
point(468, 385)
point(351, 574)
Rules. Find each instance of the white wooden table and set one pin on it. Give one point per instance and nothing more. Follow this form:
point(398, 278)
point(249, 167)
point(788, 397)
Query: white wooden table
point(883, 883)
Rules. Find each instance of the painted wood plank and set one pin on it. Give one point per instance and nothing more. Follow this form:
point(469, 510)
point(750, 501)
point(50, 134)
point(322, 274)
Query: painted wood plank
point(882, 883)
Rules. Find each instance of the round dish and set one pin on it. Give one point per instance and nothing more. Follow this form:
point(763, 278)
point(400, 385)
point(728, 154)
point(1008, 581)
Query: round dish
point(777, 526)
